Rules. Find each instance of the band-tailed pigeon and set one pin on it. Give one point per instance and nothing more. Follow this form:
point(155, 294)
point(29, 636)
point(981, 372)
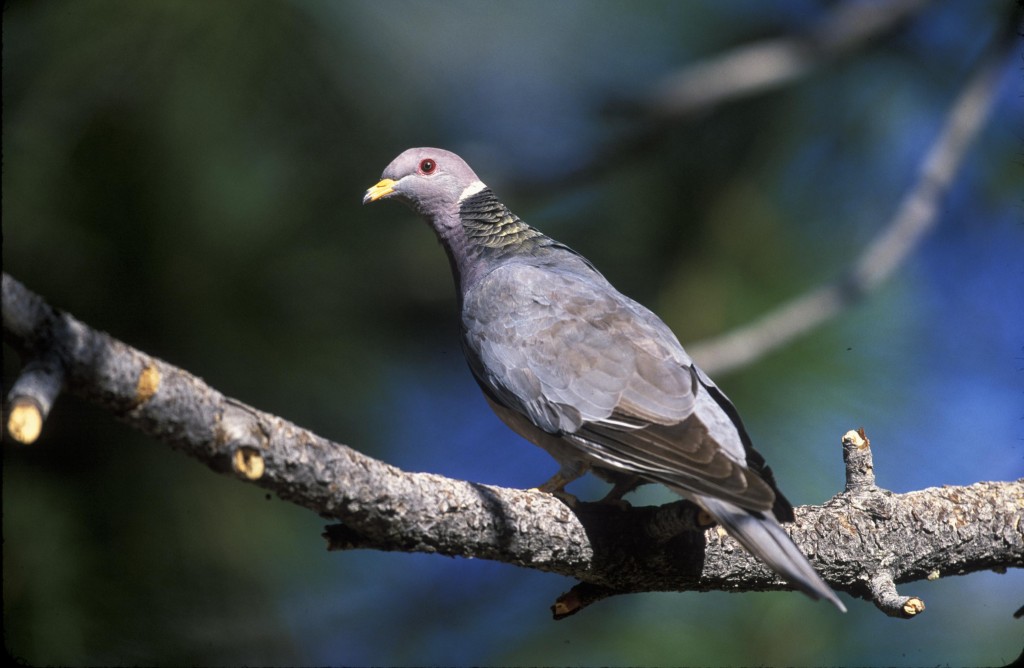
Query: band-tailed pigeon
point(585, 372)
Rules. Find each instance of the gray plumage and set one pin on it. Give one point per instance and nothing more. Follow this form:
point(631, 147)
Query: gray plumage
point(588, 374)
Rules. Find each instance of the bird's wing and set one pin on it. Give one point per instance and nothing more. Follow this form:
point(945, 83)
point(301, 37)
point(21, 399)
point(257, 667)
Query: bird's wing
point(585, 363)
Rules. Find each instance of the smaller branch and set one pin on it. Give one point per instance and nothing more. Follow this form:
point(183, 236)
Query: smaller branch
point(744, 71)
point(579, 597)
point(888, 600)
point(766, 64)
point(862, 490)
point(860, 467)
point(42, 378)
point(916, 214)
point(32, 396)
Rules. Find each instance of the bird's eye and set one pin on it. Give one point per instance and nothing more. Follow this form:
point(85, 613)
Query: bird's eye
point(427, 166)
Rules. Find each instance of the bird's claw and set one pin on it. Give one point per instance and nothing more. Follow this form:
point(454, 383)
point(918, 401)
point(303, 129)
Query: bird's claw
point(560, 494)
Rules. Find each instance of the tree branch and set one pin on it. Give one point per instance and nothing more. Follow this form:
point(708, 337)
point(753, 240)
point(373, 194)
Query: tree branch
point(770, 63)
point(744, 71)
point(863, 540)
point(915, 216)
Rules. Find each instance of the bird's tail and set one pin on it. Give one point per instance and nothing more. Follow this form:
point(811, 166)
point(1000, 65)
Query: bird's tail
point(765, 538)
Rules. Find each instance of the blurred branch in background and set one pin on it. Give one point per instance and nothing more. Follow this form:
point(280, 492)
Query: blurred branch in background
point(760, 66)
point(916, 214)
point(862, 541)
point(744, 71)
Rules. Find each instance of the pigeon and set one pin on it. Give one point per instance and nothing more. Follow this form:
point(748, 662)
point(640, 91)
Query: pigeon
point(588, 374)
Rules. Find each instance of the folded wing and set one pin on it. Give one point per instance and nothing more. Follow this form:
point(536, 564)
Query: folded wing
point(604, 373)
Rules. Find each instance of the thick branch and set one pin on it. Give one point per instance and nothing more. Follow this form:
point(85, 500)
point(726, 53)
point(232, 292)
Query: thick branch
point(861, 540)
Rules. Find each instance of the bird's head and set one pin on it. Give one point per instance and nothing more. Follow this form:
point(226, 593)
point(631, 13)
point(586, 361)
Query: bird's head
point(430, 180)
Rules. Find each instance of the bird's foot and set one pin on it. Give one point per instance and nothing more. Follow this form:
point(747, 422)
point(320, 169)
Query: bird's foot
point(556, 487)
point(566, 498)
point(565, 475)
point(560, 494)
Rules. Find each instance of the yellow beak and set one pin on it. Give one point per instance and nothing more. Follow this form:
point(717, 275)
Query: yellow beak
point(382, 189)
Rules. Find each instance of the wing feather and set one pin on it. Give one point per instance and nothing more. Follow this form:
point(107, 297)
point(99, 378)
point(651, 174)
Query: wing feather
point(600, 371)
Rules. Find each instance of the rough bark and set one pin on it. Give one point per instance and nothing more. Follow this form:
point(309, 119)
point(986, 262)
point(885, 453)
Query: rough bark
point(863, 540)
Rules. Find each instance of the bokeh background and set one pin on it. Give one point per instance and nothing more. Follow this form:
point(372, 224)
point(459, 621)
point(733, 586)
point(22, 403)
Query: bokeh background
point(187, 176)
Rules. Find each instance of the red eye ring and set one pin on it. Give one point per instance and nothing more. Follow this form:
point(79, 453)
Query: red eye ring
point(427, 166)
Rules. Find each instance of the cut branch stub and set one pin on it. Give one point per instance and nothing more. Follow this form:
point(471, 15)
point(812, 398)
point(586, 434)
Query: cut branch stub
point(860, 466)
point(32, 396)
point(888, 600)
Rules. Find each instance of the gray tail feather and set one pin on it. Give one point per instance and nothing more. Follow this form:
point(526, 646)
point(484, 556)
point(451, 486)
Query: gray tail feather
point(765, 538)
